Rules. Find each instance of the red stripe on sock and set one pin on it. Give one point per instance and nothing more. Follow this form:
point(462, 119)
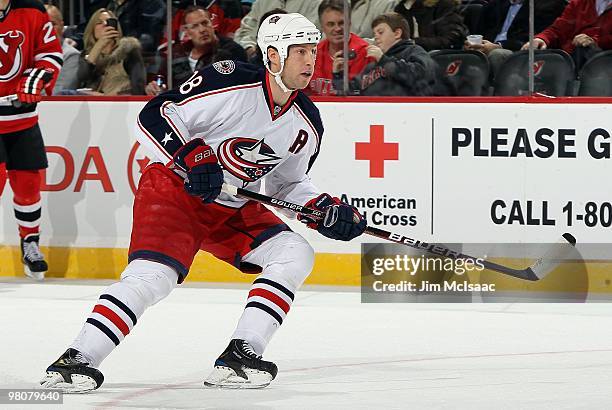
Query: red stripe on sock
point(113, 317)
point(24, 231)
point(266, 294)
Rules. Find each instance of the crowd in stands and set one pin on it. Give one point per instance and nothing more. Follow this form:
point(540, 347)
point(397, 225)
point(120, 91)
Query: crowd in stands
point(395, 46)
point(501, 37)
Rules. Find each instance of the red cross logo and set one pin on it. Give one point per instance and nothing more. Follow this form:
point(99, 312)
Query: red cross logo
point(377, 151)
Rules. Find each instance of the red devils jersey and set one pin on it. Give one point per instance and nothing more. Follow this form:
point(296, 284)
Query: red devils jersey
point(27, 40)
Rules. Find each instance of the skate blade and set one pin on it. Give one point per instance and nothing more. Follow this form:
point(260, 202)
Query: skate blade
point(225, 378)
point(33, 275)
point(80, 383)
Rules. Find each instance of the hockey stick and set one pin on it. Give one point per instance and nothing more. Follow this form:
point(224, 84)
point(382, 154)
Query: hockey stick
point(8, 100)
point(535, 272)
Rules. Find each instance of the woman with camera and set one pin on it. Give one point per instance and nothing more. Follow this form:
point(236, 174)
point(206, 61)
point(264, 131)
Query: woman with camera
point(110, 63)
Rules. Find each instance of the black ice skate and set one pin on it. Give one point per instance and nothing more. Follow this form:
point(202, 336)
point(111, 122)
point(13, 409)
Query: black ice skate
point(239, 367)
point(33, 260)
point(72, 374)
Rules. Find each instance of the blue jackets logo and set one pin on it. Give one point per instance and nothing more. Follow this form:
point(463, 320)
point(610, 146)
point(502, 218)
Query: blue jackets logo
point(248, 159)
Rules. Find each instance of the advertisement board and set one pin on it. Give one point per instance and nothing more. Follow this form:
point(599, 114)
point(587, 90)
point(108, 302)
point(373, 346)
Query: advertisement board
point(440, 172)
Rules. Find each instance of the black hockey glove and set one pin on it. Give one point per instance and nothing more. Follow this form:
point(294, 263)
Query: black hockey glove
point(342, 221)
point(204, 174)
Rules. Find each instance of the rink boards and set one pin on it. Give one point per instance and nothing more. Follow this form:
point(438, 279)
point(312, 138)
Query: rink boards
point(469, 172)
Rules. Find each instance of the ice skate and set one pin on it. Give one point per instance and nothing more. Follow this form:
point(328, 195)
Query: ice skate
point(239, 367)
point(33, 260)
point(72, 374)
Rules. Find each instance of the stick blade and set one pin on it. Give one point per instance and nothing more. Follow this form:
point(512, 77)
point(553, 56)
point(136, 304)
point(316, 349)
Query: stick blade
point(569, 238)
point(553, 257)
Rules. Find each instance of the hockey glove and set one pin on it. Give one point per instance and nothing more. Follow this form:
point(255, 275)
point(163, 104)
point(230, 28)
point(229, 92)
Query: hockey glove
point(31, 84)
point(342, 221)
point(204, 174)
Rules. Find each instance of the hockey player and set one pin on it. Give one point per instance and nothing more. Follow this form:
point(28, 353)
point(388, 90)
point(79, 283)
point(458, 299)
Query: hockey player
point(228, 122)
point(30, 61)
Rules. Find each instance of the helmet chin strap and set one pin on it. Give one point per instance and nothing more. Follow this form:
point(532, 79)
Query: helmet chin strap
point(279, 80)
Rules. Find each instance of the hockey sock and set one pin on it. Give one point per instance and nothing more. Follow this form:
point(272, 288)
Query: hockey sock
point(287, 260)
point(2, 177)
point(143, 283)
point(26, 200)
point(267, 306)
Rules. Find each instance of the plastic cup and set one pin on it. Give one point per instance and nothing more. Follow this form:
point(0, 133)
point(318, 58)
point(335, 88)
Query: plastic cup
point(474, 39)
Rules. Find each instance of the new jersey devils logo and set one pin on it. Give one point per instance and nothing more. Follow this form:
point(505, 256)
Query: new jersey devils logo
point(453, 68)
point(247, 158)
point(10, 54)
point(537, 67)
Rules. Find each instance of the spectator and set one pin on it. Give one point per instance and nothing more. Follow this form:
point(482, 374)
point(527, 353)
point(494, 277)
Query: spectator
point(434, 24)
point(230, 14)
point(365, 11)
point(142, 19)
point(202, 48)
point(67, 78)
point(401, 68)
point(246, 6)
point(584, 28)
point(330, 50)
point(110, 64)
point(504, 26)
point(246, 35)
point(225, 16)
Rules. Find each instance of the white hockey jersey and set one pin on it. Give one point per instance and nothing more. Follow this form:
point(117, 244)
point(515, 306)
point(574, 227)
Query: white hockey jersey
point(229, 105)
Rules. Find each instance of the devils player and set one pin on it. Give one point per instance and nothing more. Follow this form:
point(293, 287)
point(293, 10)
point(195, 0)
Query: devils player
point(30, 60)
point(229, 122)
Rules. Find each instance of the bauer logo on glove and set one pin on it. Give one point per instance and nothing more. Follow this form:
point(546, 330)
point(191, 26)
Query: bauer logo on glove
point(204, 174)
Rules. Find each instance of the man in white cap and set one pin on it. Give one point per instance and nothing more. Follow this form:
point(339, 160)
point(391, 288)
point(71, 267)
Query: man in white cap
point(234, 123)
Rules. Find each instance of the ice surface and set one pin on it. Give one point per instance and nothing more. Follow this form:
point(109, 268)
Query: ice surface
point(332, 352)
